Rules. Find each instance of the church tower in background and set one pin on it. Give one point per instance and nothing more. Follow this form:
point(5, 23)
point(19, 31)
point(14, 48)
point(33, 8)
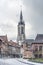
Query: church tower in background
point(21, 30)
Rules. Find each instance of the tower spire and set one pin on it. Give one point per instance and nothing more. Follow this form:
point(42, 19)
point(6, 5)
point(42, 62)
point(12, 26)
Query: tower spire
point(21, 17)
point(21, 29)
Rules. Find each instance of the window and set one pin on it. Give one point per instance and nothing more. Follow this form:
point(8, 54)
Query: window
point(36, 48)
point(40, 48)
point(36, 55)
point(22, 30)
point(40, 55)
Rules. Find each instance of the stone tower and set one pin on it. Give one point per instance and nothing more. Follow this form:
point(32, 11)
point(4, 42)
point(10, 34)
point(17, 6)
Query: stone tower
point(21, 30)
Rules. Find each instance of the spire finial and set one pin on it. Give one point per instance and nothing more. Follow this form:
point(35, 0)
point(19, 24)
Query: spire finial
point(21, 17)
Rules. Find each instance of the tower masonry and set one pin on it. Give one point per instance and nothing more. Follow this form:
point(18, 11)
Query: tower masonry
point(21, 30)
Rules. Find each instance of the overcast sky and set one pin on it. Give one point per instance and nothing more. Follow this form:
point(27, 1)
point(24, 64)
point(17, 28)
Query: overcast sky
point(10, 15)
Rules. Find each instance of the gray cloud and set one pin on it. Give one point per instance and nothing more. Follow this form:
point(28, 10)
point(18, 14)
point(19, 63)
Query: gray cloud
point(32, 14)
point(36, 18)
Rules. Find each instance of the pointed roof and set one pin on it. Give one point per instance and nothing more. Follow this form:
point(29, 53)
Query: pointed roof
point(21, 19)
point(39, 37)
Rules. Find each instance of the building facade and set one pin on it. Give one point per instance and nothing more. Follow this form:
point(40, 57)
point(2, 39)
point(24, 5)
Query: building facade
point(3, 46)
point(9, 48)
point(27, 53)
point(14, 49)
point(37, 46)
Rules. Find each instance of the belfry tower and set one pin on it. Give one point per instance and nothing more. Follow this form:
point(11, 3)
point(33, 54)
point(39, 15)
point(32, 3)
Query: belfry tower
point(21, 30)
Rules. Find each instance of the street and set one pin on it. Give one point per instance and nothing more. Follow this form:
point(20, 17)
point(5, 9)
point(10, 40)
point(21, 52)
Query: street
point(17, 62)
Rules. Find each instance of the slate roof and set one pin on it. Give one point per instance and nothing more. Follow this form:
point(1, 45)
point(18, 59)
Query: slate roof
point(38, 39)
point(29, 41)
